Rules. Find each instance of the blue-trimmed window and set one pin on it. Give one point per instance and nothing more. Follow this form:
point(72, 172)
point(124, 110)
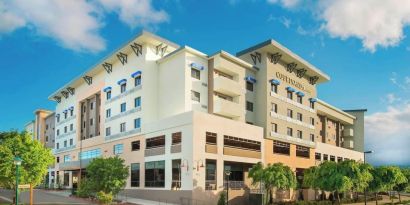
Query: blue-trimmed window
point(249, 86)
point(58, 117)
point(58, 145)
point(300, 99)
point(65, 143)
point(290, 95)
point(108, 113)
point(122, 127)
point(90, 154)
point(71, 112)
point(71, 127)
point(137, 80)
point(108, 93)
point(108, 131)
point(135, 174)
point(67, 158)
point(274, 88)
point(118, 148)
point(195, 73)
point(123, 87)
point(123, 107)
point(312, 104)
point(58, 132)
point(137, 123)
point(71, 142)
point(137, 102)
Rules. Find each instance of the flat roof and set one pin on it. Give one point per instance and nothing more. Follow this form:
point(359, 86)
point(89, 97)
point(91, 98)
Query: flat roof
point(143, 35)
point(271, 44)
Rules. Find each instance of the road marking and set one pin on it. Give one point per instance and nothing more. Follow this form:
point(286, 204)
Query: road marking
point(6, 199)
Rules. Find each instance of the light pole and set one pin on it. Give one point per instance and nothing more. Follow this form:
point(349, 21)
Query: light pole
point(227, 173)
point(17, 162)
point(364, 161)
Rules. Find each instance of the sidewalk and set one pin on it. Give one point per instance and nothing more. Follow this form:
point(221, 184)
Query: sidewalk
point(142, 201)
point(386, 199)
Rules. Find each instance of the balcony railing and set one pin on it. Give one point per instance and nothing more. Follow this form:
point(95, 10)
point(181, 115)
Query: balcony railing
point(176, 148)
point(210, 185)
point(155, 151)
point(235, 184)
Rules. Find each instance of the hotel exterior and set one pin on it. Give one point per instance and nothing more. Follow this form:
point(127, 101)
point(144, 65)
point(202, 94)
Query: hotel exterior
point(180, 118)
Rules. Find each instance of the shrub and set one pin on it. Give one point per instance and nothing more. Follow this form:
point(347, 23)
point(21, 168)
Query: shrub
point(85, 189)
point(222, 199)
point(104, 198)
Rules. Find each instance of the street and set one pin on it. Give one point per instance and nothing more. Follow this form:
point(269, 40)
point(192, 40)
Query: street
point(41, 197)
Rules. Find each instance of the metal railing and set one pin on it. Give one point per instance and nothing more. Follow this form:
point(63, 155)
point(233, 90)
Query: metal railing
point(210, 185)
point(234, 184)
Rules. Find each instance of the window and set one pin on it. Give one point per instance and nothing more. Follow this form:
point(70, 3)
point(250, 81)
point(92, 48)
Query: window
point(274, 88)
point(91, 106)
point(332, 158)
point(58, 132)
point(302, 151)
point(240, 143)
point(90, 154)
point(108, 131)
point(195, 74)
point(195, 96)
point(91, 122)
point(122, 127)
point(58, 159)
point(339, 159)
point(281, 148)
point(108, 95)
point(46, 126)
point(71, 127)
point(137, 102)
point(176, 138)
point(71, 112)
point(249, 106)
point(137, 123)
point(58, 145)
point(135, 145)
point(58, 118)
point(46, 138)
point(318, 156)
point(108, 113)
point(210, 174)
point(71, 142)
point(66, 180)
point(312, 137)
point(300, 116)
point(155, 142)
point(312, 121)
point(65, 143)
point(135, 174)
point(300, 134)
point(65, 115)
point(137, 80)
point(299, 99)
point(312, 105)
point(274, 108)
point(249, 86)
point(290, 113)
point(290, 95)
point(67, 158)
point(118, 148)
point(123, 87)
point(290, 131)
point(65, 129)
point(123, 107)
point(155, 174)
point(275, 127)
point(211, 138)
point(325, 157)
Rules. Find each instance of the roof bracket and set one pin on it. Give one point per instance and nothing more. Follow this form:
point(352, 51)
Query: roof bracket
point(291, 67)
point(65, 94)
point(161, 49)
point(57, 98)
point(107, 67)
point(88, 79)
point(301, 72)
point(313, 80)
point(137, 48)
point(257, 57)
point(122, 57)
point(274, 58)
point(71, 90)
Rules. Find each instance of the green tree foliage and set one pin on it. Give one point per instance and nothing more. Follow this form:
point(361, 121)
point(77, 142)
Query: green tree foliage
point(385, 178)
point(36, 159)
point(104, 198)
point(402, 187)
point(107, 174)
point(222, 199)
point(276, 175)
point(358, 173)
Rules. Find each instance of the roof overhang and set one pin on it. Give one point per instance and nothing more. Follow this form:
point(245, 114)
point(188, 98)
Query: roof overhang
point(334, 113)
point(271, 46)
point(234, 59)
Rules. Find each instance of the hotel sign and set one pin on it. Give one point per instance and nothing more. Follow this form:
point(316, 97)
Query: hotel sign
point(291, 81)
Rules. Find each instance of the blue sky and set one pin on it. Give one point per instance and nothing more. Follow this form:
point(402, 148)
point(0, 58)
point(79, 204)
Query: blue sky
point(360, 44)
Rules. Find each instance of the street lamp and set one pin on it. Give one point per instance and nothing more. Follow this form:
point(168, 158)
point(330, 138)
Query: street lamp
point(364, 161)
point(227, 173)
point(17, 162)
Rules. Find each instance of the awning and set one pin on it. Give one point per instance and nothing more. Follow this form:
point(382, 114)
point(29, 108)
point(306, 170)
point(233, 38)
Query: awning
point(250, 79)
point(275, 82)
point(65, 111)
point(71, 108)
point(123, 81)
point(290, 89)
point(300, 94)
point(107, 89)
point(312, 99)
point(58, 115)
point(197, 66)
point(136, 74)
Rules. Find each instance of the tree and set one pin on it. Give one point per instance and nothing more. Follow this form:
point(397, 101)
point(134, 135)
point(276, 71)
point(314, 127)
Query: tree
point(310, 178)
point(405, 185)
point(107, 174)
point(358, 173)
point(277, 176)
point(36, 159)
point(385, 178)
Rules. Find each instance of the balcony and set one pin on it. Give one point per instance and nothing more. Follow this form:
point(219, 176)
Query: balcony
point(211, 148)
point(227, 108)
point(349, 144)
point(155, 151)
point(348, 132)
point(227, 86)
point(293, 140)
point(242, 152)
point(176, 148)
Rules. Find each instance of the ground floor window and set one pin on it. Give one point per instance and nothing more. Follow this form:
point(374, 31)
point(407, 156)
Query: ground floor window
point(210, 175)
point(281, 148)
point(155, 174)
point(176, 174)
point(135, 174)
point(66, 179)
point(302, 151)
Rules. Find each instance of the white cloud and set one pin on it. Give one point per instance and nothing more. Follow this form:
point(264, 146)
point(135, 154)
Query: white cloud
point(285, 3)
point(391, 98)
point(75, 24)
point(388, 134)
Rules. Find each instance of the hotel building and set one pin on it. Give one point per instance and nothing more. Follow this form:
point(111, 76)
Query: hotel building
point(180, 118)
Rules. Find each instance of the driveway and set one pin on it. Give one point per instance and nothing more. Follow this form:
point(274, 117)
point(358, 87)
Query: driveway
point(42, 197)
